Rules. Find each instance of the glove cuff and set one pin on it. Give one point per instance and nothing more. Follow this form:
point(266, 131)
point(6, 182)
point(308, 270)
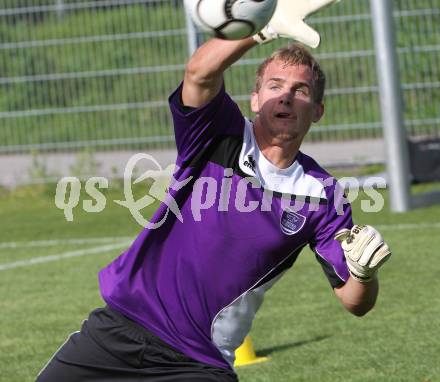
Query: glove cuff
point(363, 279)
point(266, 35)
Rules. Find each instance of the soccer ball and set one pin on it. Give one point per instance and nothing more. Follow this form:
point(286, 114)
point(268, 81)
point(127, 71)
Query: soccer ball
point(231, 19)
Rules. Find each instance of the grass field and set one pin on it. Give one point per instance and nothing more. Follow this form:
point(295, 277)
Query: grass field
point(301, 327)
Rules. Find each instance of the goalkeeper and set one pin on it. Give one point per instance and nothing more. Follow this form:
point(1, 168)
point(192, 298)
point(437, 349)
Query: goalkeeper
point(182, 298)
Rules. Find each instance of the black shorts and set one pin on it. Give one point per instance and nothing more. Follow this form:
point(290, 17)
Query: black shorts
point(110, 347)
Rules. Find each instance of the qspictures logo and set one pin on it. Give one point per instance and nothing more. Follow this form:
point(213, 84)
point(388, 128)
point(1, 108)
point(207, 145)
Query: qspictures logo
point(68, 191)
point(205, 192)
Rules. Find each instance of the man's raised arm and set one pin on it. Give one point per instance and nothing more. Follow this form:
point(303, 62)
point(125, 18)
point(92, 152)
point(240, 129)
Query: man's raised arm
point(204, 70)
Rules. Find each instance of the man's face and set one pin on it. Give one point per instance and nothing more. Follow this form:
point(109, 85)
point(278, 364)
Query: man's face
point(284, 104)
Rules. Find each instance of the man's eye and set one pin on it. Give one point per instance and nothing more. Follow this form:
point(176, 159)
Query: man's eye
point(302, 92)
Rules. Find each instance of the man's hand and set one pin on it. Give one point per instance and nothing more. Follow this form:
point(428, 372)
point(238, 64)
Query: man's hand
point(364, 250)
point(287, 21)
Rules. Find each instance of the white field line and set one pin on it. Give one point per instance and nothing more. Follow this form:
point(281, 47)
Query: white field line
point(93, 240)
point(407, 226)
point(65, 255)
point(49, 243)
point(126, 242)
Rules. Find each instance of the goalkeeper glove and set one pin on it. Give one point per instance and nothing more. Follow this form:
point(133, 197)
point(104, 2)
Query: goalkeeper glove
point(364, 250)
point(287, 21)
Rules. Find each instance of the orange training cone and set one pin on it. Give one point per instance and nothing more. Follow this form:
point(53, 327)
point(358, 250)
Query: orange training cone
point(245, 354)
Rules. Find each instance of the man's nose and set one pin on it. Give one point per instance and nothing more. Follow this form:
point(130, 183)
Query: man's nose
point(285, 99)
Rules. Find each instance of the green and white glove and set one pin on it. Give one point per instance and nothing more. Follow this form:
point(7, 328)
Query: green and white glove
point(287, 21)
point(364, 250)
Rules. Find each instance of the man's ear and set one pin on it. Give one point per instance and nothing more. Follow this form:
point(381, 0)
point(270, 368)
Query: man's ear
point(254, 102)
point(318, 112)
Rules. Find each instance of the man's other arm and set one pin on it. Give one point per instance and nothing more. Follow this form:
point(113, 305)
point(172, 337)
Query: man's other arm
point(365, 252)
point(358, 298)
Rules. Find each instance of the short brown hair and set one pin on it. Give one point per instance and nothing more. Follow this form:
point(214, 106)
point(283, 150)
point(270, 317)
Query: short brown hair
point(296, 54)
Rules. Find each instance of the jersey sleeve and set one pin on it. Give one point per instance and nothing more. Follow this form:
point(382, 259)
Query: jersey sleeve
point(196, 128)
point(328, 251)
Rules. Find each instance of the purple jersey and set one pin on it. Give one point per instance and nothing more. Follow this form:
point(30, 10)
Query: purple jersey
point(198, 279)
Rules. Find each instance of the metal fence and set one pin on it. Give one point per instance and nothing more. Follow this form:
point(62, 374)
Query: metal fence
point(77, 74)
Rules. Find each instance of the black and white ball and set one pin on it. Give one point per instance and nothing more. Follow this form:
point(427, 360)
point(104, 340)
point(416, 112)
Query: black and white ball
point(231, 19)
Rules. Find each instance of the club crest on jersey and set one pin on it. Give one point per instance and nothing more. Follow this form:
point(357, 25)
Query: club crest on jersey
point(291, 222)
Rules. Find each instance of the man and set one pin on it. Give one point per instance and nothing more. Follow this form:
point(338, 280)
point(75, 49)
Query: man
point(182, 298)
